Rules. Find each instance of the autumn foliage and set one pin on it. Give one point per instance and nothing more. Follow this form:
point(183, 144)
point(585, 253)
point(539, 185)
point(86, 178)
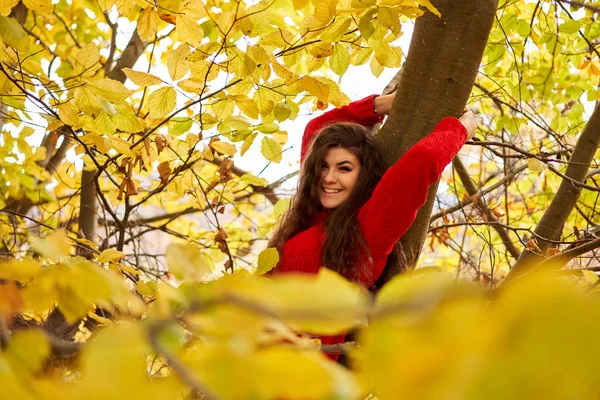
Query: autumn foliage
point(133, 246)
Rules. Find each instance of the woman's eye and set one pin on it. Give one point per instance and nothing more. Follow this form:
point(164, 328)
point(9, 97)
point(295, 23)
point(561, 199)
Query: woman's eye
point(345, 169)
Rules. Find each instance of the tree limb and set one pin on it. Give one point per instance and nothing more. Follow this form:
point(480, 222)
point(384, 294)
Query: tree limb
point(488, 215)
point(551, 223)
point(435, 82)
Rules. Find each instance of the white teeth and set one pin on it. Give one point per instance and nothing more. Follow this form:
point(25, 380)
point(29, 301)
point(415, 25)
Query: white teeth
point(332, 190)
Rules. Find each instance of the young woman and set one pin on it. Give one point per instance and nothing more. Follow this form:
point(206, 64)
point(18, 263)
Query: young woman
point(349, 212)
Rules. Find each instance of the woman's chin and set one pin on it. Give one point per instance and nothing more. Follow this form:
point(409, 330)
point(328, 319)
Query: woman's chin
point(328, 203)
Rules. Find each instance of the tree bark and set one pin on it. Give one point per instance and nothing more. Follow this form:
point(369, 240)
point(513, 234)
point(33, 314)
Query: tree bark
point(435, 81)
point(550, 226)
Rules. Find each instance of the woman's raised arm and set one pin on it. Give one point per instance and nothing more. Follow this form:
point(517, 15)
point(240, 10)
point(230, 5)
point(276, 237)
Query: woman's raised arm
point(403, 189)
point(360, 112)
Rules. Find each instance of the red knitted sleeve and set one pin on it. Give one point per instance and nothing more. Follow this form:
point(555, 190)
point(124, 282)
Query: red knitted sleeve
point(361, 112)
point(392, 208)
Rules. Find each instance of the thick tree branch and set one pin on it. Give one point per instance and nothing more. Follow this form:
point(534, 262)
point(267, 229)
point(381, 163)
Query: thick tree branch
point(560, 260)
point(435, 81)
point(552, 221)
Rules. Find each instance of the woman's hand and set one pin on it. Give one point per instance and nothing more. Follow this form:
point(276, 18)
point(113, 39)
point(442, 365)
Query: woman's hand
point(468, 120)
point(383, 104)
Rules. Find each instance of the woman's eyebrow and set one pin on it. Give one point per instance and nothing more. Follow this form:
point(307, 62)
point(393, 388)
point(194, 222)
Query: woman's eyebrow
point(344, 162)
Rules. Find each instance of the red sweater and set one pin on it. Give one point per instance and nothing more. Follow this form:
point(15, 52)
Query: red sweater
point(392, 208)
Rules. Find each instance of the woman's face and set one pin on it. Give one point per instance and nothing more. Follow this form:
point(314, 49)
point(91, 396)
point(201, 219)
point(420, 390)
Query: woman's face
point(339, 174)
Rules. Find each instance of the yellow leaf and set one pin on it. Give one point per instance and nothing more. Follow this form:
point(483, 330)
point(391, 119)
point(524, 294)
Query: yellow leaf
point(13, 34)
point(129, 269)
point(267, 260)
point(307, 302)
point(161, 102)
point(224, 147)
point(102, 124)
point(316, 88)
point(299, 4)
point(125, 6)
point(141, 78)
point(247, 143)
point(110, 255)
point(189, 30)
point(106, 5)
point(223, 108)
point(55, 246)
point(246, 105)
point(19, 270)
point(253, 180)
point(271, 150)
point(187, 262)
point(192, 85)
point(109, 90)
point(589, 276)
point(340, 60)
point(193, 8)
point(337, 30)
point(6, 6)
point(177, 63)
point(324, 9)
point(42, 6)
point(242, 65)
point(87, 101)
point(147, 24)
point(121, 146)
point(147, 288)
point(282, 111)
point(87, 60)
point(429, 6)
point(376, 67)
point(28, 349)
point(69, 114)
point(536, 165)
point(281, 207)
point(125, 119)
point(362, 56)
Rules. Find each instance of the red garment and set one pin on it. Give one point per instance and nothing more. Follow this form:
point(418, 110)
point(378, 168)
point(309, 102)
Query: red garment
point(392, 208)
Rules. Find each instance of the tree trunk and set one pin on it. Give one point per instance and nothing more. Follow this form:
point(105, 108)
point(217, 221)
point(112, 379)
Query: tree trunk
point(550, 226)
point(435, 81)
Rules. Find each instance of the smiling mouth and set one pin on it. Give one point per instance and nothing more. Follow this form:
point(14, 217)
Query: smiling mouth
point(331, 191)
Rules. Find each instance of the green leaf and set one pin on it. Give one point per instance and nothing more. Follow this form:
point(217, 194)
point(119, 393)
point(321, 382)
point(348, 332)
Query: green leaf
point(271, 150)
point(336, 31)
point(282, 112)
point(340, 60)
point(365, 24)
point(267, 260)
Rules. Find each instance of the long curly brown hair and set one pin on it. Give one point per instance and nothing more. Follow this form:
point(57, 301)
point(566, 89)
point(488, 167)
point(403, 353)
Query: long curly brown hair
point(345, 250)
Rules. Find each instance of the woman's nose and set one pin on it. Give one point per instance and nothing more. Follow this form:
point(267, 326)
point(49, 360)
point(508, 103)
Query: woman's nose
point(330, 176)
